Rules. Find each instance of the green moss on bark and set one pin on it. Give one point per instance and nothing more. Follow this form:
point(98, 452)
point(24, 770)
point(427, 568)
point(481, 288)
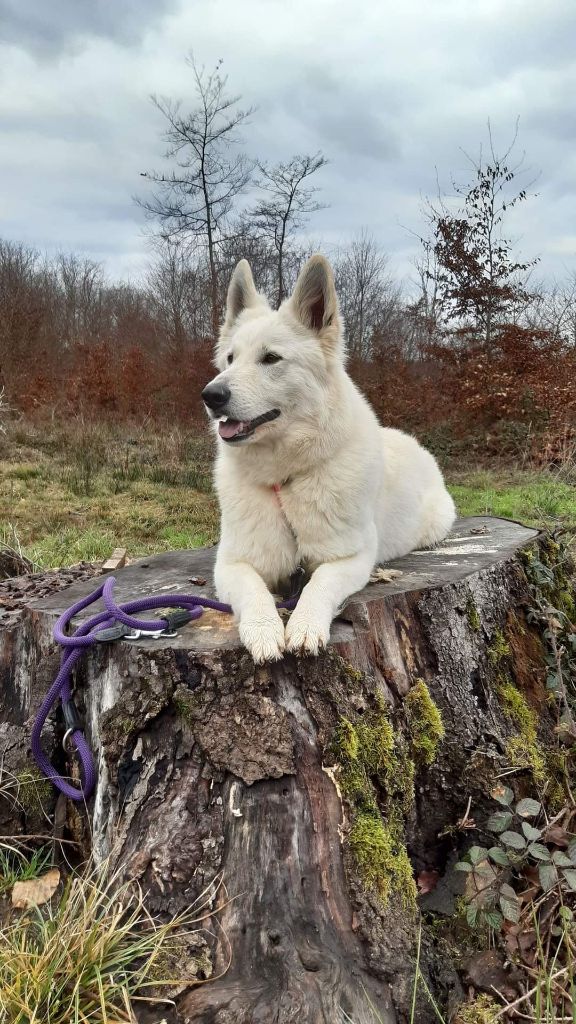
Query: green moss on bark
point(424, 723)
point(376, 769)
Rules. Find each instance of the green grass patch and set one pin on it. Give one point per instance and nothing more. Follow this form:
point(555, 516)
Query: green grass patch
point(17, 866)
point(536, 499)
point(73, 496)
point(72, 492)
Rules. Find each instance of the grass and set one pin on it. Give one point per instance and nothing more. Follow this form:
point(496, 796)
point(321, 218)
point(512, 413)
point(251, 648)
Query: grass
point(73, 492)
point(541, 499)
point(17, 866)
point(89, 955)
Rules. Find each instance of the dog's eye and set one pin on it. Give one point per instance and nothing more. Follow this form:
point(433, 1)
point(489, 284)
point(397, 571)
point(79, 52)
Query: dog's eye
point(229, 358)
point(271, 357)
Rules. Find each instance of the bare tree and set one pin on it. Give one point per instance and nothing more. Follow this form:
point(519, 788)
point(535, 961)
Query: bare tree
point(197, 197)
point(477, 278)
point(369, 300)
point(22, 304)
point(81, 287)
point(178, 282)
point(552, 308)
point(287, 204)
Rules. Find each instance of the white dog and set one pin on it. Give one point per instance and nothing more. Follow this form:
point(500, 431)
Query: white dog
point(305, 474)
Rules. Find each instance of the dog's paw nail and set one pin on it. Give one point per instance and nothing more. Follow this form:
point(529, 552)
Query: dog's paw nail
point(306, 639)
point(264, 640)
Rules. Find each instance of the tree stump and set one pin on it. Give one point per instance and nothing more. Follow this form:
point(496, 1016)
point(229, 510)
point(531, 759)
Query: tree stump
point(317, 789)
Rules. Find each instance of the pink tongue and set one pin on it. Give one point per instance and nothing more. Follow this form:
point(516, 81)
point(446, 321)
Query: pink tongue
point(230, 428)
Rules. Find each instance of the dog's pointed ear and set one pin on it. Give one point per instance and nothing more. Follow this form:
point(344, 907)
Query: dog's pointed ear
point(242, 293)
point(314, 302)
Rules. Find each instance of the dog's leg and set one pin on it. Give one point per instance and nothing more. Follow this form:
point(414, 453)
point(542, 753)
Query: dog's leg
point(308, 628)
point(259, 624)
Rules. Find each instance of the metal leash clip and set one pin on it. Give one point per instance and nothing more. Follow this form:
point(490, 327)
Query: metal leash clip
point(148, 634)
point(174, 620)
point(72, 721)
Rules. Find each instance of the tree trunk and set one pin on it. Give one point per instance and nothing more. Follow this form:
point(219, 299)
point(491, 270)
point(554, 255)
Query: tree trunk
point(317, 789)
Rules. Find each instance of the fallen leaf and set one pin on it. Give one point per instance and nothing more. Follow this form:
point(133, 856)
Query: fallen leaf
point(485, 971)
point(385, 575)
point(503, 794)
point(198, 581)
point(520, 940)
point(479, 882)
point(427, 881)
point(557, 835)
point(35, 891)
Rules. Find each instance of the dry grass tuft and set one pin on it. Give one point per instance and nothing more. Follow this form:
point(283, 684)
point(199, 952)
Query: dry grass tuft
point(88, 956)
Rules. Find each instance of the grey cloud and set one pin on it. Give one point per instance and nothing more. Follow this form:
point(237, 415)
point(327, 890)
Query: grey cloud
point(344, 118)
point(390, 93)
point(49, 27)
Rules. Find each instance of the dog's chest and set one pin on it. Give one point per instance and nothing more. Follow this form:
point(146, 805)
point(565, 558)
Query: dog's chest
point(302, 513)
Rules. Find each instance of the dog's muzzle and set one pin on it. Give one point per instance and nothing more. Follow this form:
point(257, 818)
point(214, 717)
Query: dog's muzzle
point(216, 396)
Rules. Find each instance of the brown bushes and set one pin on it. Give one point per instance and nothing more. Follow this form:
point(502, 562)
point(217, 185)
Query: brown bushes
point(518, 399)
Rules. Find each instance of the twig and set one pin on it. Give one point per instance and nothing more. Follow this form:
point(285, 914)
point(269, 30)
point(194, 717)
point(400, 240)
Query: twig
point(522, 999)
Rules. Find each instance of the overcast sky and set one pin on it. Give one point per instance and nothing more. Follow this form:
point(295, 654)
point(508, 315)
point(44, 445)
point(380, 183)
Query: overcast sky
point(388, 91)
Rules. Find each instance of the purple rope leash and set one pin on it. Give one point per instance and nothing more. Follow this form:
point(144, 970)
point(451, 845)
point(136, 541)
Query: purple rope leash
point(102, 628)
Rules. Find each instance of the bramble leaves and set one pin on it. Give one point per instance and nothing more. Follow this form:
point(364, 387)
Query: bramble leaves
point(503, 795)
point(548, 875)
point(513, 839)
point(528, 808)
point(499, 856)
point(499, 821)
point(530, 832)
point(539, 851)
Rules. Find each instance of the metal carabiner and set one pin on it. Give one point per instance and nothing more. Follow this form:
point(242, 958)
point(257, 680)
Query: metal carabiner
point(65, 739)
point(151, 634)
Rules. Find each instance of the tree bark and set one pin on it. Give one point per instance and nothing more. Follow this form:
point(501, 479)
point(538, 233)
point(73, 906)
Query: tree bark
point(211, 768)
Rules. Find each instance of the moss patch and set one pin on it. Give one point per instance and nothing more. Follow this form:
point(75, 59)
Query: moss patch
point(524, 750)
point(377, 766)
point(374, 767)
point(499, 648)
point(547, 765)
point(424, 723)
point(482, 1010)
point(184, 703)
point(472, 615)
point(35, 793)
point(544, 666)
point(367, 757)
point(381, 858)
point(376, 775)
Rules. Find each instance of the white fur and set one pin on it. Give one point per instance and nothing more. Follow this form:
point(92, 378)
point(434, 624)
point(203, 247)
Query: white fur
point(353, 493)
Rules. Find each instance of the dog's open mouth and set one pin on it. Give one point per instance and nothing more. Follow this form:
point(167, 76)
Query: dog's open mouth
point(236, 430)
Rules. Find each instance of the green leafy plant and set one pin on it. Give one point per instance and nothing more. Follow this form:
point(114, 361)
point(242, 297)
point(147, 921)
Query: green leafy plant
point(553, 611)
point(519, 844)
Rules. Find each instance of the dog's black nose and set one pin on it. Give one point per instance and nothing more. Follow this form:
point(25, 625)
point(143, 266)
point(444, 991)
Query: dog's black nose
point(216, 396)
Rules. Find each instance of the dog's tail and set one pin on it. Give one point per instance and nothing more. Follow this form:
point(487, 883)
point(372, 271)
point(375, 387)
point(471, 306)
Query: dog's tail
point(438, 516)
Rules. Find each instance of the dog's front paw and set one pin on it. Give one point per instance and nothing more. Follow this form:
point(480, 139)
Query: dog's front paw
point(305, 635)
point(263, 637)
